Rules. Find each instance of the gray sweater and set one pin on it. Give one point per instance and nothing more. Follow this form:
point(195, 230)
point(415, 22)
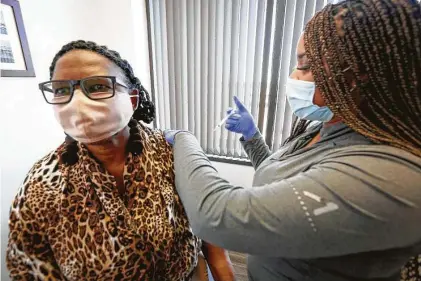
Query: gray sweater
point(342, 209)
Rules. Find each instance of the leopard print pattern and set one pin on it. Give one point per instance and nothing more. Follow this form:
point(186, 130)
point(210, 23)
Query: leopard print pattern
point(70, 223)
point(412, 270)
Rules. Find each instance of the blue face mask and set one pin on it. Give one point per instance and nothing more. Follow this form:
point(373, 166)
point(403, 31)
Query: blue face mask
point(300, 96)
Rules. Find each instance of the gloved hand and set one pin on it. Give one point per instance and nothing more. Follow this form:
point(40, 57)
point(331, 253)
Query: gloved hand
point(170, 135)
point(241, 121)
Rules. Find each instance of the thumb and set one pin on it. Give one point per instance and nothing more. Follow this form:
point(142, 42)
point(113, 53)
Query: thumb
point(239, 105)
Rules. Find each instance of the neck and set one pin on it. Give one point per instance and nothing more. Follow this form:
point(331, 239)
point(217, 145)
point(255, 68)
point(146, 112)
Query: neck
point(334, 121)
point(112, 150)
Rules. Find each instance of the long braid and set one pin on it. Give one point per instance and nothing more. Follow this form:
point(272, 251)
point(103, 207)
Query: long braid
point(366, 60)
point(298, 128)
point(145, 111)
point(380, 106)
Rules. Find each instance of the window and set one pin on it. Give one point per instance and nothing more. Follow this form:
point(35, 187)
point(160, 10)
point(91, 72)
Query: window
point(205, 52)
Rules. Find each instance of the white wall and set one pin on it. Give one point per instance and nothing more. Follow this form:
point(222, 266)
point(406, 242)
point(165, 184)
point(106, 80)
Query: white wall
point(28, 129)
point(235, 174)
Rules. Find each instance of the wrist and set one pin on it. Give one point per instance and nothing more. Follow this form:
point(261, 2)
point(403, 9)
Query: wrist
point(250, 135)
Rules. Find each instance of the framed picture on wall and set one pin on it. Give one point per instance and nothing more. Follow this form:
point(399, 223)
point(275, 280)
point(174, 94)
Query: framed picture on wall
point(15, 57)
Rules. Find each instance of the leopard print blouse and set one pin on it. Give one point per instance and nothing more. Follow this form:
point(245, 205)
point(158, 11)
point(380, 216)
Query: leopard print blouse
point(412, 270)
point(70, 223)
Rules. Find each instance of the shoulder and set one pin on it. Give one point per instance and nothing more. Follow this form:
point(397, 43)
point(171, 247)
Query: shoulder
point(156, 150)
point(378, 182)
point(40, 183)
point(151, 133)
point(377, 157)
point(154, 140)
point(387, 169)
point(44, 170)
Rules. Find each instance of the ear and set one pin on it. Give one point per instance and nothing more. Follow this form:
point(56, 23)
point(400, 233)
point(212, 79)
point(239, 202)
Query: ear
point(318, 98)
point(134, 96)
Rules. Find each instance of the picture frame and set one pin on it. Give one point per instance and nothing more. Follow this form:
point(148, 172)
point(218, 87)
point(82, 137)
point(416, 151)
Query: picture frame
point(15, 56)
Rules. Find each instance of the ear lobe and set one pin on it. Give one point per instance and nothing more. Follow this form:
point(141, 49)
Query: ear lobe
point(134, 96)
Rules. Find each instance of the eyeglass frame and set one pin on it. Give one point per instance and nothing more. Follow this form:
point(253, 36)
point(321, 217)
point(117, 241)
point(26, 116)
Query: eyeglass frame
point(79, 82)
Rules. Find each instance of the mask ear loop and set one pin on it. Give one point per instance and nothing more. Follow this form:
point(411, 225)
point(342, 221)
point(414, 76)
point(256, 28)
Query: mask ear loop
point(305, 68)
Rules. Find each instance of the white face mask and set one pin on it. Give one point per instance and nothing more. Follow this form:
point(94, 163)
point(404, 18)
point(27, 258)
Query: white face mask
point(89, 121)
point(300, 96)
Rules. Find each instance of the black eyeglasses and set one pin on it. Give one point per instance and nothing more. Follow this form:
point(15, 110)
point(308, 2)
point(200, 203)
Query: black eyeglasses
point(95, 88)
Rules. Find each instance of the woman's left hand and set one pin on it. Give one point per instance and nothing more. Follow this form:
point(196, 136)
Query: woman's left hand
point(170, 135)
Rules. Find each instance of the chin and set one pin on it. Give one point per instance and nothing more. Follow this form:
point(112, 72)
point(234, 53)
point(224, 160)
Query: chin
point(105, 141)
point(109, 140)
point(102, 142)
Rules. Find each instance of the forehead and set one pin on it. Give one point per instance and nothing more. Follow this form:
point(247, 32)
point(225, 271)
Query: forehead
point(300, 45)
point(79, 64)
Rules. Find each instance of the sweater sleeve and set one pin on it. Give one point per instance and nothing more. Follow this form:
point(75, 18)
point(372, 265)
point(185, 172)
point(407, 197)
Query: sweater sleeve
point(256, 149)
point(28, 253)
point(363, 200)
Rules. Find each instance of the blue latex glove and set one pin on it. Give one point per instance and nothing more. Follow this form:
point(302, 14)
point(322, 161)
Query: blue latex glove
point(241, 121)
point(170, 135)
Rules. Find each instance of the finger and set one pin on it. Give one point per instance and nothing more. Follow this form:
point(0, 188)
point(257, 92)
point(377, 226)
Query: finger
point(231, 122)
point(234, 117)
point(229, 127)
point(239, 105)
point(229, 110)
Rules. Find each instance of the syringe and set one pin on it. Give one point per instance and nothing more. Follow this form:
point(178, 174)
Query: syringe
point(224, 120)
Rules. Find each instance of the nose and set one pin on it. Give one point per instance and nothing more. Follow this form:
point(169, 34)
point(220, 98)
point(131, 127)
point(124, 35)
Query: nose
point(77, 93)
point(78, 90)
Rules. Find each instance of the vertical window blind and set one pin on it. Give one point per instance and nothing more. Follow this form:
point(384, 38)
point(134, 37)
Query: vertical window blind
point(205, 52)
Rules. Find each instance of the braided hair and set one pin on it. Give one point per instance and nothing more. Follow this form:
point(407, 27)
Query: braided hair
point(299, 126)
point(365, 56)
point(145, 111)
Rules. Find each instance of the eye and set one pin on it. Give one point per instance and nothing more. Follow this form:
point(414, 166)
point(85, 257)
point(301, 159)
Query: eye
point(303, 68)
point(98, 88)
point(61, 92)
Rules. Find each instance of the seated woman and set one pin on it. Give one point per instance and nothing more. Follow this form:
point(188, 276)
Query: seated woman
point(103, 205)
point(412, 270)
